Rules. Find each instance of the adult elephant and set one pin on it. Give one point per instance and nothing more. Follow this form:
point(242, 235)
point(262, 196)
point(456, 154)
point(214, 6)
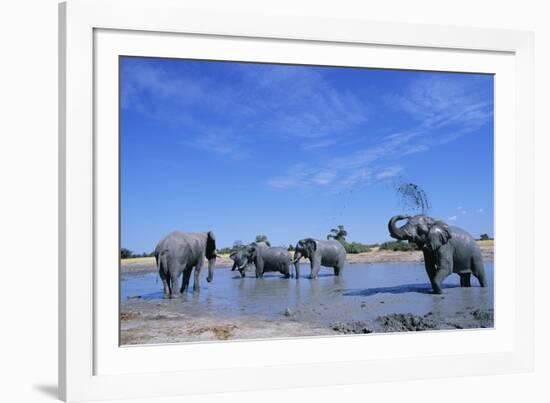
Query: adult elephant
point(240, 259)
point(447, 249)
point(181, 252)
point(329, 253)
point(268, 258)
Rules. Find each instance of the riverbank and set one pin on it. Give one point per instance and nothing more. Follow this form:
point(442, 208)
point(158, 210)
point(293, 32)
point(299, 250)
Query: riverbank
point(143, 265)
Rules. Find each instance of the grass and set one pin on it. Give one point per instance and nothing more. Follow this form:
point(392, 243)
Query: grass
point(138, 260)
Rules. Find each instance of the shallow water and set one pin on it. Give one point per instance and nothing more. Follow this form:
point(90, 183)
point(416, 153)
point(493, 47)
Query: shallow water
point(363, 291)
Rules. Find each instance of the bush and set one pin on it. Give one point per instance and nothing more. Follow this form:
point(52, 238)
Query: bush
point(356, 247)
point(126, 253)
point(398, 246)
point(262, 238)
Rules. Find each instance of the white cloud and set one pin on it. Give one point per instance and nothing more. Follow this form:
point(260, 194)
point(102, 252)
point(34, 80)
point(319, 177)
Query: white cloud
point(324, 178)
point(453, 218)
point(480, 211)
point(389, 172)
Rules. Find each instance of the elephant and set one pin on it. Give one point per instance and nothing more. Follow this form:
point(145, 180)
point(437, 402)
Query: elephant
point(268, 258)
point(180, 252)
point(241, 259)
point(447, 249)
point(328, 253)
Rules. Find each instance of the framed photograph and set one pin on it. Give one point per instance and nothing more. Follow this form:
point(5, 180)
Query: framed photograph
point(278, 201)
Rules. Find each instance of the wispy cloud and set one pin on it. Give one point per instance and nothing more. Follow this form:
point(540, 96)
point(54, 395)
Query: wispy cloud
point(286, 102)
point(300, 106)
point(453, 218)
point(440, 110)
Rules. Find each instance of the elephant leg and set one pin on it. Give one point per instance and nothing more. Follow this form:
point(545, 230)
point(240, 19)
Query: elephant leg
point(234, 266)
point(175, 284)
point(185, 279)
point(465, 280)
point(166, 286)
point(286, 270)
point(196, 280)
point(315, 267)
point(259, 271)
point(338, 269)
point(444, 268)
point(163, 274)
point(429, 264)
point(165, 282)
point(479, 270)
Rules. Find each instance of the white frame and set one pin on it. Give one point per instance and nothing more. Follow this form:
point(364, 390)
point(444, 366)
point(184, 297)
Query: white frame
point(79, 376)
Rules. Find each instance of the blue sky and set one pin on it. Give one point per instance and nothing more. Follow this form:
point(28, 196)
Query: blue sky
point(292, 151)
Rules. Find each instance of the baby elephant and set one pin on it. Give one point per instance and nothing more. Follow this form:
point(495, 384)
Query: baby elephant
point(269, 259)
point(240, 261)
point(329, 253)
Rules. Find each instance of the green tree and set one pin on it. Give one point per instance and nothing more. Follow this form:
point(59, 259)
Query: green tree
point(484, 237)
point(262, 238)
point(339, 234)
point(291, 247)
point(126, 253)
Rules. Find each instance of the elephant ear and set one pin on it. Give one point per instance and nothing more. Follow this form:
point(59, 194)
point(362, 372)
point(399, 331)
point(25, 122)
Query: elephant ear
point(210, 245)
point(438, 235)
point(311, 245)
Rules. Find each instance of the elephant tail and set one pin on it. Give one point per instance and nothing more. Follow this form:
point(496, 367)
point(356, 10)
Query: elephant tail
point(161, 263)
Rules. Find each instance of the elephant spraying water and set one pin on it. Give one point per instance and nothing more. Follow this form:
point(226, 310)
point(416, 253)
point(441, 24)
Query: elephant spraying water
point(447, 249)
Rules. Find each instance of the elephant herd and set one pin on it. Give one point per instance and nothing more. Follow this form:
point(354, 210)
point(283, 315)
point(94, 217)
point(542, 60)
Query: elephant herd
point(446, 250)
point(329, 253)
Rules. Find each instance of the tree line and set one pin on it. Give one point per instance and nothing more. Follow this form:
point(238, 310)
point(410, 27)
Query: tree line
point(338, 234)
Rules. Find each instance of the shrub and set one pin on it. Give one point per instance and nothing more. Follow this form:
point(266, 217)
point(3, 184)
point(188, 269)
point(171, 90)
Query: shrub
point(356, 247)
point(125, 253)
point(398, 246)
point(262, 238)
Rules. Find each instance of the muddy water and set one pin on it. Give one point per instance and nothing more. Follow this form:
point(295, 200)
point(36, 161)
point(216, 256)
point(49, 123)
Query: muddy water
point(365, 291)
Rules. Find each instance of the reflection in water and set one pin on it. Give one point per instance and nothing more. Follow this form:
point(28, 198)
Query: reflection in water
point(380, 288)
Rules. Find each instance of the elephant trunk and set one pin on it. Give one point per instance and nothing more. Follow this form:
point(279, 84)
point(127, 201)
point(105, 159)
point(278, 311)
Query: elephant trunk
point(211, 264)
point(395, 232)
point(297, 257)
